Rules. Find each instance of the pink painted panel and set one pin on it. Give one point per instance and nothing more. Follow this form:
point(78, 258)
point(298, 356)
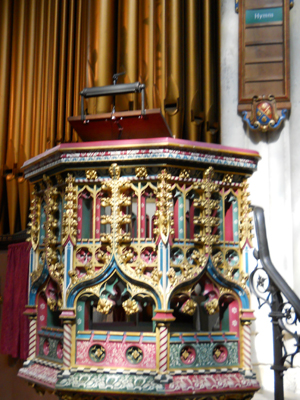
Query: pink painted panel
point(164, 141)
point(229, 225)
point(116, 354)
point(211, 383)
point(234, 322)
point(41, 318)
point(41, 374)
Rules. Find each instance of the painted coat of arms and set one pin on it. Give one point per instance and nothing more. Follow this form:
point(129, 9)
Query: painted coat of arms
point(264, 115)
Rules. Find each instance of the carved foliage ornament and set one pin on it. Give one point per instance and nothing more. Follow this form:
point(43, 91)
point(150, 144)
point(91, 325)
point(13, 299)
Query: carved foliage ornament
point(189, 307)
point(130, 306)
point(69, 223)
point(207, 206)
point(246, 222)
point(164, 214)
point(104, 305)
point(55, 267)
point(35, 211)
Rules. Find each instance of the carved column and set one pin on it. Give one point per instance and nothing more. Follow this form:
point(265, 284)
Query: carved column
point(68, 317)
point(246, 319)
point(163, 318)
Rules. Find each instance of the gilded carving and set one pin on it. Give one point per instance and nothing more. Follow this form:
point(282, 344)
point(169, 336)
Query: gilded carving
point(40, 266)
point(156, 275)
point(55, 267)
point(34, 223)
point(127, 255)
point(114, 171)
point(227, 179)
point(164, 214)
point(130, 306)
point(74, 277)
point(217, 258)
point(139, 270)
point(172, 276)
point(91, 174)
point(189, 307)
point(90, 269)
point(117, 198)
point(106, 238)
point(36, 274)
point(141, 172)
point(104, 305)
point(184, 174)
point(207, 206)
point(199, 258)
point(243, 279)
point(246, 222)
point(69, 223)
point(53, 303)
point(57, 271)
point(212, 306)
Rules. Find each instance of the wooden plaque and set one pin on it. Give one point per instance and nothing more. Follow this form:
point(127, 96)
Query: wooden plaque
point(264, 67)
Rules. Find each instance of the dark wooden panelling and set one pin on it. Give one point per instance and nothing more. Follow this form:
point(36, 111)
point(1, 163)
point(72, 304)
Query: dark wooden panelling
point(250, 4)
point(263, 71)
point(262, 35)
point(263, 88)
point(264, 53)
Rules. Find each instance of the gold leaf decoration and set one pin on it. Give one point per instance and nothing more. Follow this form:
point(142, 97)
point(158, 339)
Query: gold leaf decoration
point(164, 215)
point(227, 179)
point(34, 224)
point(206, 188)
point(172, 276)
point(243, 279)
point(141, 172)
point(189, 307)
point(104, 305)
point(184, 174)
point(90, 269)
point(246, 222)
point(73, 275)
point(52, 303)
point(69, 223)
point(155, 276)
point(91, 174)
point(55, 267)
point(130, 307)
point(212, 306)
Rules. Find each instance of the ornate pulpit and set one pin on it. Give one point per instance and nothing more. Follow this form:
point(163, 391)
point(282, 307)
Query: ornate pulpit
point(139, 265)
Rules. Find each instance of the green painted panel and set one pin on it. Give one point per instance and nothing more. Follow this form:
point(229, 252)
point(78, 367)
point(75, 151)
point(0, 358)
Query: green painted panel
point(80, 316)
point(204, 355)
point(264, 15)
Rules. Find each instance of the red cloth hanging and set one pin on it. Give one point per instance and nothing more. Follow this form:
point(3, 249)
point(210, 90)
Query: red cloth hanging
point(15, 325)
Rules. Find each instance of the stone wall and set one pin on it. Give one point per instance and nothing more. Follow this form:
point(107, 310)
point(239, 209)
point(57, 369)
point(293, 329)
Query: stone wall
point(276, 184)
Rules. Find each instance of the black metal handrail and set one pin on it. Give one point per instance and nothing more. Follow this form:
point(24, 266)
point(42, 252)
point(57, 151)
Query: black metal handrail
point(270, 288)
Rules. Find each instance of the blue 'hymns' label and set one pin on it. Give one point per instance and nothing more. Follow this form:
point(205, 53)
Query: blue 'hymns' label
point(264, 15)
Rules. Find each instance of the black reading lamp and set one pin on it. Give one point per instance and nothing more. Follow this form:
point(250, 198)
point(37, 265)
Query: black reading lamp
point(113, 90)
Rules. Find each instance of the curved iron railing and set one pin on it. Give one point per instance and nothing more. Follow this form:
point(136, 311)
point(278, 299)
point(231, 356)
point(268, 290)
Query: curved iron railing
point(271, 288)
